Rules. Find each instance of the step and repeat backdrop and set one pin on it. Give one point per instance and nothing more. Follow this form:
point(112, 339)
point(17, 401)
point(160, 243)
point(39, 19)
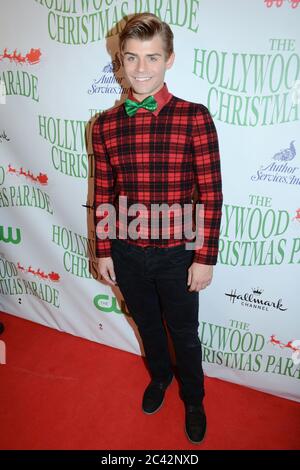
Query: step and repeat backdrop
point(59, 67)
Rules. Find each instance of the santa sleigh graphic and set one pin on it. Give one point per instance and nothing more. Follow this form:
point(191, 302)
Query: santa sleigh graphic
point(293, 345)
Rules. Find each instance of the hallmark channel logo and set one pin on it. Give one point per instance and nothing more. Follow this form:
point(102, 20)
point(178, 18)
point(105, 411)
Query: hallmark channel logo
point(255, 300)
point(280, 170)
point(108, 82)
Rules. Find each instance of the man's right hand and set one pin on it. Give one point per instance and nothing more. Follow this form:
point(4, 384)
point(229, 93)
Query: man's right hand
point(106, 269)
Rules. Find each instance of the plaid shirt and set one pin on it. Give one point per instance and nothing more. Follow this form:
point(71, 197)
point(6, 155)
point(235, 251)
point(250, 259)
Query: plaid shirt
point(154, 158)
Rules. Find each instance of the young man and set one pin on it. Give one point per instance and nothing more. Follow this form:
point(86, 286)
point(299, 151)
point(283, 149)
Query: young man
point(153, 149)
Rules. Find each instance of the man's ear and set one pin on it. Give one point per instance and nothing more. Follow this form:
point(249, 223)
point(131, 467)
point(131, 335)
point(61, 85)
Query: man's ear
point(170, 60)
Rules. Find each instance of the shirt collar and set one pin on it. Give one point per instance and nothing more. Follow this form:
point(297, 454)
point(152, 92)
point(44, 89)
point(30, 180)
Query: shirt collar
point(162, 97)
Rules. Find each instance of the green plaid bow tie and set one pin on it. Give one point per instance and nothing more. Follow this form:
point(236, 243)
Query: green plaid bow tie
point(131, 107)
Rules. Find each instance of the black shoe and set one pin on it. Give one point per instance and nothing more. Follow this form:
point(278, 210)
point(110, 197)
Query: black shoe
point(195, 423)
point(154, 396)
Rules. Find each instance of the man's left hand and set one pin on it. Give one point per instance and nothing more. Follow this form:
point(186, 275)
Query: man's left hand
point(199, 276)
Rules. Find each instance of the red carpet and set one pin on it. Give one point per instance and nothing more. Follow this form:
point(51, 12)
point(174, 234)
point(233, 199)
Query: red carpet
point(63, 392)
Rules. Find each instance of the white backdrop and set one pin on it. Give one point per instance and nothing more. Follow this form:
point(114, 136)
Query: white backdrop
point(59, 66)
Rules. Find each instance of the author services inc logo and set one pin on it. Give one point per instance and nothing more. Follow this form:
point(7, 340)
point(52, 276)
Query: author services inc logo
point(280, 170)
point(109, 82)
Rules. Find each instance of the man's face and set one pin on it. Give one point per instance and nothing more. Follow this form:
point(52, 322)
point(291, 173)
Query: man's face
point(145, 65)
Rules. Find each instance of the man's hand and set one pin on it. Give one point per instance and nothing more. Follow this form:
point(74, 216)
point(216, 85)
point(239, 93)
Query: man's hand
point(199, 276)
point(106, 269)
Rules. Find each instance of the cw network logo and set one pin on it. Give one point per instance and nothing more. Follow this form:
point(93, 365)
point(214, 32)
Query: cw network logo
point(109, 304)
point(2, 352)
point(10, 238)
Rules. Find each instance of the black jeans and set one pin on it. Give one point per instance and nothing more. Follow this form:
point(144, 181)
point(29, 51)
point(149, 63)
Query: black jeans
point(153, 282)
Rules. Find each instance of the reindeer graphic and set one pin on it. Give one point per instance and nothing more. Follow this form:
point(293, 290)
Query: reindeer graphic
point(32, 57)
point(275, 341)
